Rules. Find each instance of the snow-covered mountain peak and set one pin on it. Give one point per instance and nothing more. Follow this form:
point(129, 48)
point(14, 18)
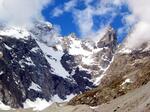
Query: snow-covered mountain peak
point(90, 55)
point(39, 28)
point(15, 32)
point(44, 65)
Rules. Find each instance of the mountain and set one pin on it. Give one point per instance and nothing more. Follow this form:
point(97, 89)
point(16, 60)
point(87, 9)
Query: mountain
point(36, 65)
point(128, 72)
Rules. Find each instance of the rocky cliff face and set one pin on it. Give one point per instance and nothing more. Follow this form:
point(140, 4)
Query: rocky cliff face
point(89, 55)
point(128, 71)
point(31, 68)
point(26, 74)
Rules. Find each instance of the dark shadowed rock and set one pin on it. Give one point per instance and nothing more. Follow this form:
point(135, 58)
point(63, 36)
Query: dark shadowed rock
point(20, 67)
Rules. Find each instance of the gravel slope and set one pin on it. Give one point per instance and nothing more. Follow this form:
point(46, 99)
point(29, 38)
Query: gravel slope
point(135, 101)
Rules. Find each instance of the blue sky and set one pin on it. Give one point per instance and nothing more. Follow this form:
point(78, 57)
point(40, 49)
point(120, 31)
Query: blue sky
point(86, 18)
point(69, 20)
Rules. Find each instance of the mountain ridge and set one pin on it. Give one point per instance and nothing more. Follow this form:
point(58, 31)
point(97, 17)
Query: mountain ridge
point(31, 68)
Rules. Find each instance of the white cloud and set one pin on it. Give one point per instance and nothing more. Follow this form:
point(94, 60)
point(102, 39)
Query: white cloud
point(21, 12)
point(130, 19)
point(84, 18)
point(140, 34)
point(57, 12)
point(87, 2)
point(68, 7)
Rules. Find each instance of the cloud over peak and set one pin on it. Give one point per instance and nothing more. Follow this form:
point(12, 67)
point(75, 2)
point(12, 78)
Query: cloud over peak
point(140, 15)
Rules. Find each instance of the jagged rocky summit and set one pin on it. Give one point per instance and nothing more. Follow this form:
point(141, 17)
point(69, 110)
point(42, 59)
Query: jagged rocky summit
point(128, 73)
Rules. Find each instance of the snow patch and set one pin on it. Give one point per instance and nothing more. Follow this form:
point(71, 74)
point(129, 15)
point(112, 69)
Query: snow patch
point(35, 87)
point(94, 107)
point(7, 47)
point(41, 104)
point(1, 72)
point(54, 60)
point(57, 99)
point(127, 81)
point(76, 48)
point(84, 69)
point(69, 97)
point(38, 104)
point(29, 61)
point(59, 47)
point(147, 47)
point(15, 32)
point(4, 107)
point(1, 54)
point(35, 49)
point(98, 79)
point(125, 51)
point(87, 60)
